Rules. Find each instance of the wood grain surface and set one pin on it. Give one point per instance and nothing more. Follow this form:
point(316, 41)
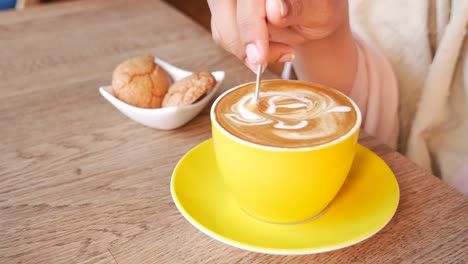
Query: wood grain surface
point(81, 183)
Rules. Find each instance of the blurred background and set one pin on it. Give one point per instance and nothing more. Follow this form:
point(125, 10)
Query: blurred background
point(196, 9)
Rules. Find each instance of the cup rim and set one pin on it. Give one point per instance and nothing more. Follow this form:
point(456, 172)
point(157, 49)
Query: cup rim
point(356, 126)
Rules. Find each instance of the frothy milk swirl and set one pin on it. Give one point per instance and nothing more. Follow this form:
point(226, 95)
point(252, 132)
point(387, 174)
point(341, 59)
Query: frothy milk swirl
point(290, 117)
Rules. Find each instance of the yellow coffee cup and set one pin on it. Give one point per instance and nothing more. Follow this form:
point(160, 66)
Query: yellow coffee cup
point(283, 185)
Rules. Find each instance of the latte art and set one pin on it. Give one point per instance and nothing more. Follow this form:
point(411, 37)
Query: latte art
point(293, 116)
point(288, 113)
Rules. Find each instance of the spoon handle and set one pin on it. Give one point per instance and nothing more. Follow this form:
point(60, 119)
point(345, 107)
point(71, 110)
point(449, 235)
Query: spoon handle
point(257, 84)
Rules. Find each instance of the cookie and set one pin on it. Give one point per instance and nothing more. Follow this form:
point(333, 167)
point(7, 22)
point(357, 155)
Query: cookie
point(140, 82)
point(189, 89)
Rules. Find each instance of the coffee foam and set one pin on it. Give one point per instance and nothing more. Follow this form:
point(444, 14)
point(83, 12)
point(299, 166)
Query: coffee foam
point(290, 114)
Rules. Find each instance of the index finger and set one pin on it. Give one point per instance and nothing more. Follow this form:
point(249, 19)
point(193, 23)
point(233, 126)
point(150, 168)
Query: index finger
point(224, 26)
point(253, 30)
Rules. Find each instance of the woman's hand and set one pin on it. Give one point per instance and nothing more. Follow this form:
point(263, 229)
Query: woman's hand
point(262, 31)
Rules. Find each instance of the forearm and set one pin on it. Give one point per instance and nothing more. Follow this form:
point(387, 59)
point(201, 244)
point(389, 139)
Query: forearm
point(331, 61)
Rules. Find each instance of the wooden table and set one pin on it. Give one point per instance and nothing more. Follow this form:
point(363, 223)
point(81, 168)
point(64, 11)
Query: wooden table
point(81, 183)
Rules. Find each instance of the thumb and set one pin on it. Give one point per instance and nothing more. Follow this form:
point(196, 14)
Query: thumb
point(284, 13)
point(315, 18)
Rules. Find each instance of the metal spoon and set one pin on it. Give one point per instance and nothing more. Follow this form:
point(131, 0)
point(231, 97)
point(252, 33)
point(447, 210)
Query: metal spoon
point(258, 82)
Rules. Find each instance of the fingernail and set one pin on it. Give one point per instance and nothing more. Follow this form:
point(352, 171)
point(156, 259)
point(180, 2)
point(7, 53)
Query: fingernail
point(252, 53)
point(283, 8)
point(287, 57)
point(251, 66)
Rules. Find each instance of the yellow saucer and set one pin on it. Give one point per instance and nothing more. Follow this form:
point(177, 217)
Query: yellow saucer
point(364, 205)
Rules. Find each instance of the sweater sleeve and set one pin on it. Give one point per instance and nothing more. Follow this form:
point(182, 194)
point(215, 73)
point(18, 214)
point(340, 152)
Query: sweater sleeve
point(375, 91)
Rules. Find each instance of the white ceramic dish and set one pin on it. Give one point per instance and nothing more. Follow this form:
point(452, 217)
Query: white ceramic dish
point(168, 117)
